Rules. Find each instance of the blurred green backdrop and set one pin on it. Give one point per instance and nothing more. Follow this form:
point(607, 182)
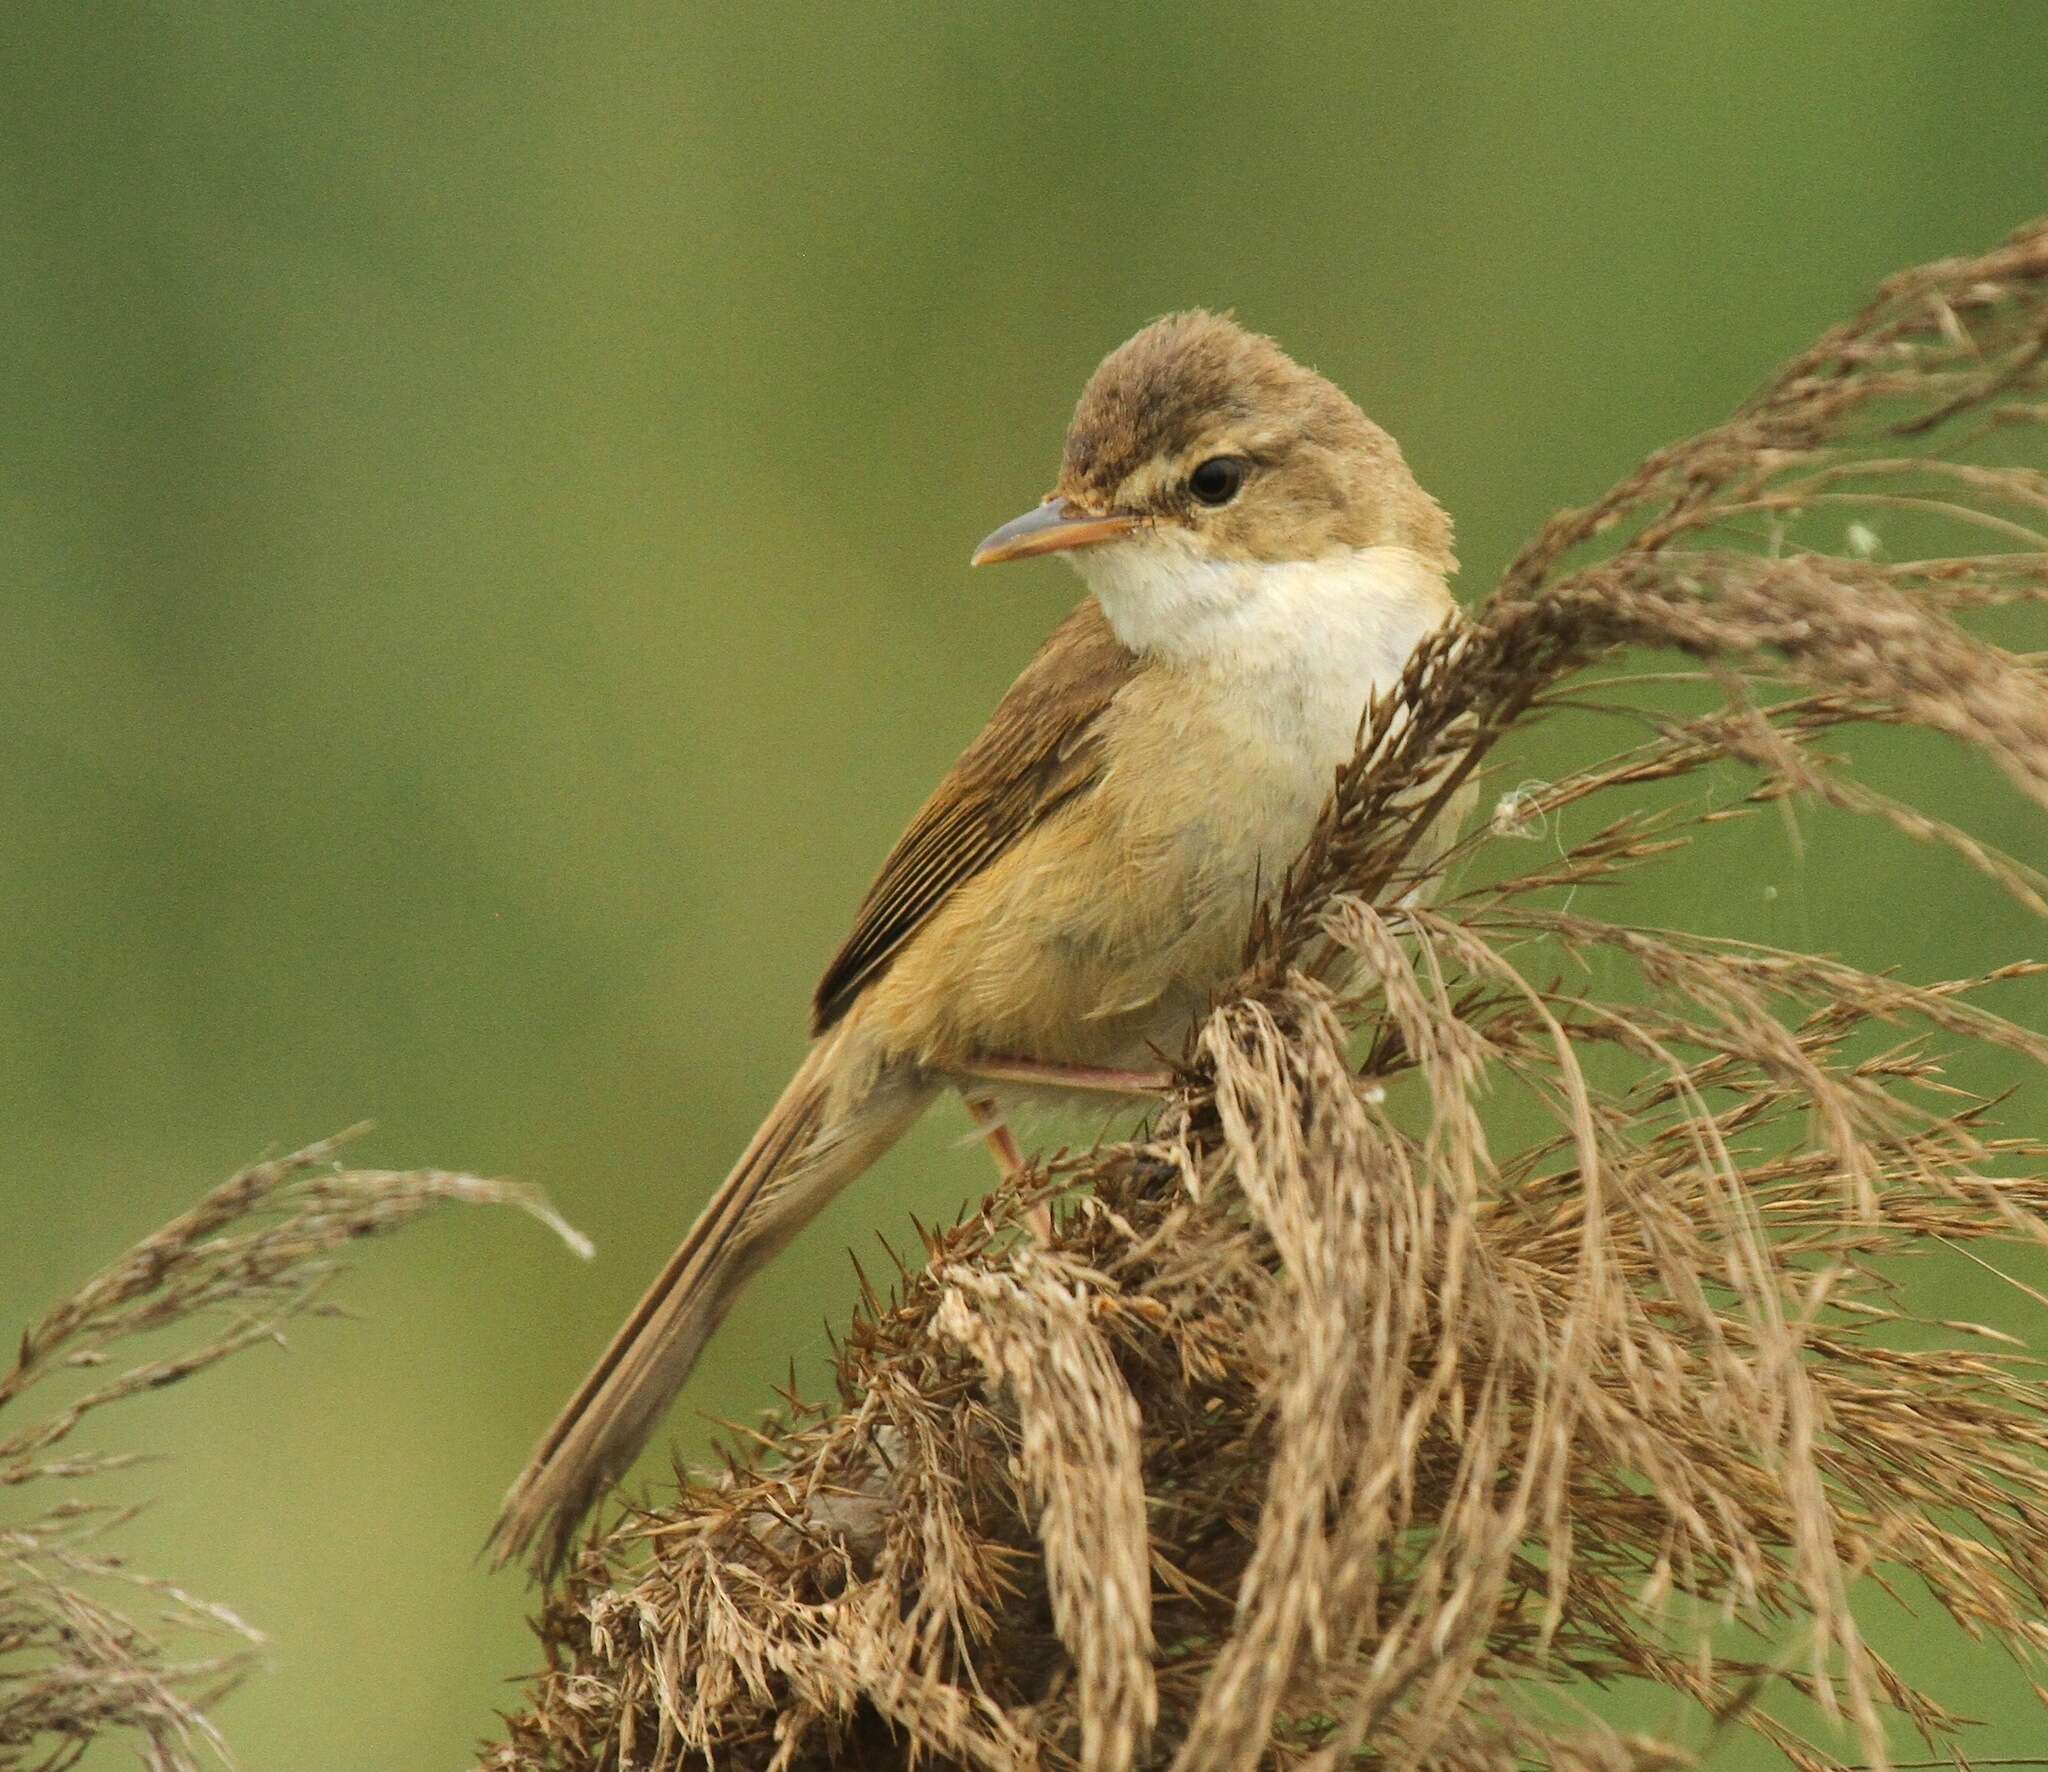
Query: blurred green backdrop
point(484, 502)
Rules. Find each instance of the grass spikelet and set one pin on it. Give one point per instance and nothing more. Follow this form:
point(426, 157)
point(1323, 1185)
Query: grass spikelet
point(78, 1662)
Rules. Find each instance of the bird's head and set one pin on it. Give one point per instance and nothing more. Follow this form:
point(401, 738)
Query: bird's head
point(1200, 446)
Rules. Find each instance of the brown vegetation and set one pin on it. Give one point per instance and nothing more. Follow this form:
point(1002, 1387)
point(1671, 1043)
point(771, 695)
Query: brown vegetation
point(77, 1662)
point(1358, 1409)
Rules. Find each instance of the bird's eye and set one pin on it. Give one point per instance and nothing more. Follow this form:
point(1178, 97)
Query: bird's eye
point(1217, 480)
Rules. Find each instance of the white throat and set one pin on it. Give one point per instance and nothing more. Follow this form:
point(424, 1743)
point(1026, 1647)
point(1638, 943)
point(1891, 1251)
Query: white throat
point(1355, 615)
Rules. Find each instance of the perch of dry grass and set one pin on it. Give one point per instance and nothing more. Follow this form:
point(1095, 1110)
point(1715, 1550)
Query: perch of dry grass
point(1344, 1421)
point(77, 1661)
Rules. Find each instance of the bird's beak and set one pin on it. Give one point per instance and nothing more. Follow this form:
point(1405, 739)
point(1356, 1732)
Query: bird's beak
point(1054, 527)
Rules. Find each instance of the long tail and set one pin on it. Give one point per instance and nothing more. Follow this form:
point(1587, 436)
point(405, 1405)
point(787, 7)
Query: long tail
point(807, 1149)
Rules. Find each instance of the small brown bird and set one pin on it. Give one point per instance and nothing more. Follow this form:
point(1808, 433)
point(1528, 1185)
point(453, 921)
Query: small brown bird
point(1068, 902)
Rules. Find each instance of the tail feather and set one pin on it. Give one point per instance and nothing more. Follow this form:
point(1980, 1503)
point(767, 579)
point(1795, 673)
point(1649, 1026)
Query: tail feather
point(806, 1150)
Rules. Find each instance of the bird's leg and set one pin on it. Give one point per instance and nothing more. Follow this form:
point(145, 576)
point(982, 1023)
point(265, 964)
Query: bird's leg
point(996, 1134)
point(1094, 1078)
point(1002, 1145)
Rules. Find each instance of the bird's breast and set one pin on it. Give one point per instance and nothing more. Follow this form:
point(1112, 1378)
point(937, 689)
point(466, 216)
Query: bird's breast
point(1110, 926)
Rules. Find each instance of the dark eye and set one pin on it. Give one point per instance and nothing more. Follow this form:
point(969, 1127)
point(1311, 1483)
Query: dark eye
point(1217, 480)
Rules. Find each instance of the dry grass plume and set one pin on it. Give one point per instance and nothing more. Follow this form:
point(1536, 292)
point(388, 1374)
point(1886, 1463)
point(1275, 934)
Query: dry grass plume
point(1346, 1419)
point(90, 1648)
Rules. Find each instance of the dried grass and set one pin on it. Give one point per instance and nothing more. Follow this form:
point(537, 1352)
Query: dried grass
point(1346, 1418)
point(90, 1649)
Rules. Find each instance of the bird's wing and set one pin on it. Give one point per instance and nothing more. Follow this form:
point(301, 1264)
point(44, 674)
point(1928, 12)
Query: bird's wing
point(1041, 747)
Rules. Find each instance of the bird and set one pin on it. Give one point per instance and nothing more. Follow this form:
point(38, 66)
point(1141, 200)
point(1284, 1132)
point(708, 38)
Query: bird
point(1260, 564)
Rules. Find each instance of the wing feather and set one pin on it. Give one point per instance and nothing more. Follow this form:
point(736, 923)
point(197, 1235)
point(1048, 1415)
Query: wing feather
point(1041, 747)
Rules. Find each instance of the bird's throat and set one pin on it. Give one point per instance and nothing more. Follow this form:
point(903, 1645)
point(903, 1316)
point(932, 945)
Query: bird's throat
point(1354, 616)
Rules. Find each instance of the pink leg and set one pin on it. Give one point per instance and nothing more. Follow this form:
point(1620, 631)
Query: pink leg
point(996, 1134)
point(1002, 1145)
point(1097, 1079)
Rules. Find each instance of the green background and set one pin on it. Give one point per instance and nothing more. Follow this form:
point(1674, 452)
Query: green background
point(484, 504)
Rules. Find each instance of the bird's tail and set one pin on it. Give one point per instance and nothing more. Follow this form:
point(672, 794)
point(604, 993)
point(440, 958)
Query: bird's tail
point(810, 1146)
